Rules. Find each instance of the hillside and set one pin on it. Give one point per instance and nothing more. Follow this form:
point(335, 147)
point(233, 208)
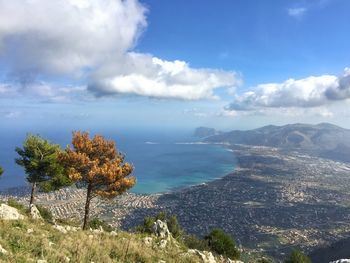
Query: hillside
point(324, 139)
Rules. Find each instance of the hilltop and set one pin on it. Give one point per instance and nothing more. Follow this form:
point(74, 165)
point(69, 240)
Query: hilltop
point(323, 140)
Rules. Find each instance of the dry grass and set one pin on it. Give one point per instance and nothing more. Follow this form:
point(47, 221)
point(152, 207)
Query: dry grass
point(47, 243)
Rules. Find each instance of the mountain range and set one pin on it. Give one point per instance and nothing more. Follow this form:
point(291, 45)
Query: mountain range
point(323, 140)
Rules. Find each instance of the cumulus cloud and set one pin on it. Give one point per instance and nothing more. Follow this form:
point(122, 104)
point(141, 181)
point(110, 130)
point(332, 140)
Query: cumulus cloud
point(67, 36)
point(150, 76)
point(307, 92)
point(91, 42)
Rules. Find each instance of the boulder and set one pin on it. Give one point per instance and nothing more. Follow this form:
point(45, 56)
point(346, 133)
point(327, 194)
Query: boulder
point(205, 256)
point(148, 241)
point(163, 243)
point(3, 251)
point(160, 229)
point(34, 212)
point(9, 213)
point(341, 261)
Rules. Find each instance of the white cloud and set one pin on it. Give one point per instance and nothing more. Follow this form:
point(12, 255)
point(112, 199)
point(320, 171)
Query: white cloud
point(307, 92)
point(67, 36)
point(91, 41)
point(297, 12)
point(150, 76)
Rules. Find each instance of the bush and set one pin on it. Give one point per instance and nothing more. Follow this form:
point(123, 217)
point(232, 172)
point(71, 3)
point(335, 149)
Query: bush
point(13, 202)
point(297, 257)
point(45, 213)
point(173, 224)
point(97, 223)
point(222, 244)
point(264, 260)
point(193, 242)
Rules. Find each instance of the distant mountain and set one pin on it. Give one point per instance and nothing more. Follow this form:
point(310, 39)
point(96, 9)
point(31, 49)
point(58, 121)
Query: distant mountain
point(202, 132)
point(324, 139)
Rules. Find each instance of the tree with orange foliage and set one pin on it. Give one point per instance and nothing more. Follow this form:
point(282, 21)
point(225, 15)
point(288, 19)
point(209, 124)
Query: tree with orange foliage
point(97, 164)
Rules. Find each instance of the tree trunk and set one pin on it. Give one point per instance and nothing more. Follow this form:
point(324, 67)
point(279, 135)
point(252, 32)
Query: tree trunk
point(32, 194)
point(87, 206)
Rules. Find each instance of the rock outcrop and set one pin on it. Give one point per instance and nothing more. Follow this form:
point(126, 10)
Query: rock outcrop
point(160, 229)
point(341, 261)
point(9, 213)
point(34, 213)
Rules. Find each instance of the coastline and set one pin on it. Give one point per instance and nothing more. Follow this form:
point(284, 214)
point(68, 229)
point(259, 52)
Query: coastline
point(272, 202)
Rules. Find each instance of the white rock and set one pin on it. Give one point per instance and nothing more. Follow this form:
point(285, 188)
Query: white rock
point(3, 251)
point(34, 212)
point(51, 244)
point(163, 243)
point(161, 261)
point(30, 230)
point(67, 259)
point(113, 233)
point(160, 229)
point(9, 213)
point(147, 241)
point(341, 261)
point(62, 229)
point(41, 261)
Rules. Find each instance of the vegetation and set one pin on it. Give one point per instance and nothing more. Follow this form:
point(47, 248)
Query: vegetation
point(97, 165)
point(39, 158)
point(297, 257)
point(171, 220)
point(193, 242)
point(47, 243)
point(264, 260)
point(13, 202)
point(1, 170)
point(45, 213)
point(222, 244)
point(96, 223)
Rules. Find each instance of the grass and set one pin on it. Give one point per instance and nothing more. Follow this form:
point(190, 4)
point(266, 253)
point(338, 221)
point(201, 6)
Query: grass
point(45, 242)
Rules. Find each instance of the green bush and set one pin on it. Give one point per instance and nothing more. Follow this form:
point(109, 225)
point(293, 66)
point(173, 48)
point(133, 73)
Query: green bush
point(14, 203)
point(96, 223)
point(173, 224)
point(222, 244)
point(264, 260)
point(193, 242)
point(297, 257)
point(45, 213)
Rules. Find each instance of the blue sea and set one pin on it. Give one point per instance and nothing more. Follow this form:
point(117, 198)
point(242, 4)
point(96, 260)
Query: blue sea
point(163, 161)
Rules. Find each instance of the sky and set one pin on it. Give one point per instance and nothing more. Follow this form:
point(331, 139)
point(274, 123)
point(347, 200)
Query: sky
point(152, 64)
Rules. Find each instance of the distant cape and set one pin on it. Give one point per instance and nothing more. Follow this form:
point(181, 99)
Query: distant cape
point(323, 140)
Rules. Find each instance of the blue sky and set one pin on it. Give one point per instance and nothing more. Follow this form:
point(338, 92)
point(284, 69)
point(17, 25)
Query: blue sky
point(173, 64)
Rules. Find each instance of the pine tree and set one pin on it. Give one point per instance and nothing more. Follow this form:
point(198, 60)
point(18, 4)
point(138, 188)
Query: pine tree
point(40, 161)
point(1, 171)
point(97, 164)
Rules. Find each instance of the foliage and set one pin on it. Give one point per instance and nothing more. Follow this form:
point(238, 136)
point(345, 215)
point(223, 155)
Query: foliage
point(193, 242)
point(1, 170)
point(297, 257)
point(264, 260)
point(47, 243)
point(96, 223)
point(222, 243)
point(45, 213)
point(98, 165)
point(171, 220)
point(39, 158)
point(13, 202)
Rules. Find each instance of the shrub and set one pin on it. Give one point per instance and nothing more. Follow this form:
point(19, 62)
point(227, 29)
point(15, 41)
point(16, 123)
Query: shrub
point(173, 224)
point(96, 223)
point(221, 243)
point(297, 257)
point(45, 213)
point(14, 203)
point(264, 260)
point(193, 242)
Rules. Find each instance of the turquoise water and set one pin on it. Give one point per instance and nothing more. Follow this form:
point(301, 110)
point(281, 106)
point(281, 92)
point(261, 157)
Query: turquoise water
point(162, 162)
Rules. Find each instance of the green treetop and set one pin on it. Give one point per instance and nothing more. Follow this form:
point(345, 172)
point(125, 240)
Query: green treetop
point(38, 157)
point(1, 171)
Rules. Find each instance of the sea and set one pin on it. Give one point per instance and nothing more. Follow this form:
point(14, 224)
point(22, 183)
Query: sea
point(163, 160)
